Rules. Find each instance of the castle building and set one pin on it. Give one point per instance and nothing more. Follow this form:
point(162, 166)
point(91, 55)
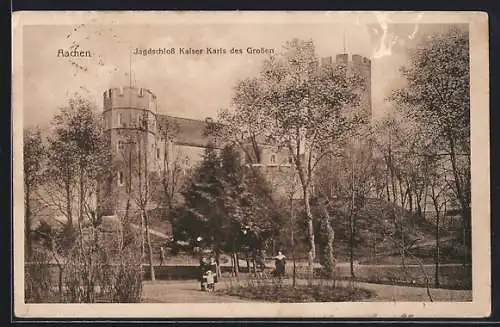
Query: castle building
point(143, 141)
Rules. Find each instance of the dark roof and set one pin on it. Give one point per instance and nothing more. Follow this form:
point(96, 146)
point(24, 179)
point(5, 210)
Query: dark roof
point(187, 131)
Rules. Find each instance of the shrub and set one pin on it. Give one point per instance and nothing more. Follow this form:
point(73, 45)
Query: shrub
point(97, 267)
point(38, 281)
point(104, 270)
point(276, 290)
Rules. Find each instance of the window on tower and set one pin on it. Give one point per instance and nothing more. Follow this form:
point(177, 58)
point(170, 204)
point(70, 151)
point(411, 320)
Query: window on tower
point(121, 120)
point(120, 178)
point(120, 145)
point(157, 153)
point(144, 121)
point(273, 158)
point(133, 119)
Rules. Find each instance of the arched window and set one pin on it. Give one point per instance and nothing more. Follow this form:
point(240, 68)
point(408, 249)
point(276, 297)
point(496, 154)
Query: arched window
point(273, 158)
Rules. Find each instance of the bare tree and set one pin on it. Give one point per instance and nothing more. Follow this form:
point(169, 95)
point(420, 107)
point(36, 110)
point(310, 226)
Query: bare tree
point(439, 194)
point(170, 169)
point(437, 95)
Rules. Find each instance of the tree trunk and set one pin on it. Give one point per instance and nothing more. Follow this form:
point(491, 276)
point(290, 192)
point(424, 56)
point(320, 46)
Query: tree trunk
point(27, 224)
point(82, 195)
point(436, 277)
point(464, 203)
point(217, 261)
point(419, 206)
point(374, 245)
point(464, 243)
point(391, 170)
point(60, 279)
point(410, 198)
point(292, 228)
point(403, 245)
point(351, 223)
point(236, 269)
point(68, 203)
point(351, 244)
point(312, 247)
point(388, 192)
point(330, 251)
point(150, 248)
point(143, 247)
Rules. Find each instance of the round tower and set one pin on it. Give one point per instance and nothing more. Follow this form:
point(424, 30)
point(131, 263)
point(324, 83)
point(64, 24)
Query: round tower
point(361, 66)
point(130, 124)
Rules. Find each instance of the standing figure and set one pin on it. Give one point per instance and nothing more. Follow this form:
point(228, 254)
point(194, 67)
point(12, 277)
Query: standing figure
point(280, 262)
point(203, 269)
point(210, 278)
point(213, 267)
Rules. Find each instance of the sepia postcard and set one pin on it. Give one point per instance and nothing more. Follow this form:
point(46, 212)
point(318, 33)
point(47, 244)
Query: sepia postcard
point(251, 164)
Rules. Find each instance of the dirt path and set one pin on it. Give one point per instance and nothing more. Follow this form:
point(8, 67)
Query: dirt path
point(182, 292)
point(389, 293)
point(189, 292)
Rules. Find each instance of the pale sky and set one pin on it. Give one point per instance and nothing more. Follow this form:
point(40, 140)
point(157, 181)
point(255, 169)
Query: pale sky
point(192, 86)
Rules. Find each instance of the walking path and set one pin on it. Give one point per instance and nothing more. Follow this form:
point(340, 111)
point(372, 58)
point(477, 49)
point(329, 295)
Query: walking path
point(189, 292)
point(183, 292)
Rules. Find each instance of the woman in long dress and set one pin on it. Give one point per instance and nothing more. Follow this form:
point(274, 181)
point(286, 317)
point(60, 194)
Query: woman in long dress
point(280, 262)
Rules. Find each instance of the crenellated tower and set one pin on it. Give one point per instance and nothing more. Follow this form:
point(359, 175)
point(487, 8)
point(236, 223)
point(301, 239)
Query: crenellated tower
point(356, 64)
point(130, 123)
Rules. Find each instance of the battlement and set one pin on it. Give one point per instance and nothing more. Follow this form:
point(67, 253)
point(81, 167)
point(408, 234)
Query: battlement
point(129, 97)
point(345, 58)
point(124, 90)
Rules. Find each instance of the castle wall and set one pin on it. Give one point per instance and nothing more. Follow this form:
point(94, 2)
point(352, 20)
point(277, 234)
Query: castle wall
point(133, 134)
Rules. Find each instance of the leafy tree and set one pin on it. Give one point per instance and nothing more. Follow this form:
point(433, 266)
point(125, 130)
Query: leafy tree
point(78, 157)
point(227, 205)
point(202, 216)
point(298, 106)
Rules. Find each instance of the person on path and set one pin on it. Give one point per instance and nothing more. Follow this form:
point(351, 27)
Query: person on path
point(280, 262)
point(213, 267)
point(203, 268)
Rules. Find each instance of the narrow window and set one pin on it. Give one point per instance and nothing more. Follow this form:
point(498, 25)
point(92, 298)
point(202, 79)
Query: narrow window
point(120, 145)
point(157, 153)
point(121, 120)
point(120, 178)
point(132, 119)
point(273, 158)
